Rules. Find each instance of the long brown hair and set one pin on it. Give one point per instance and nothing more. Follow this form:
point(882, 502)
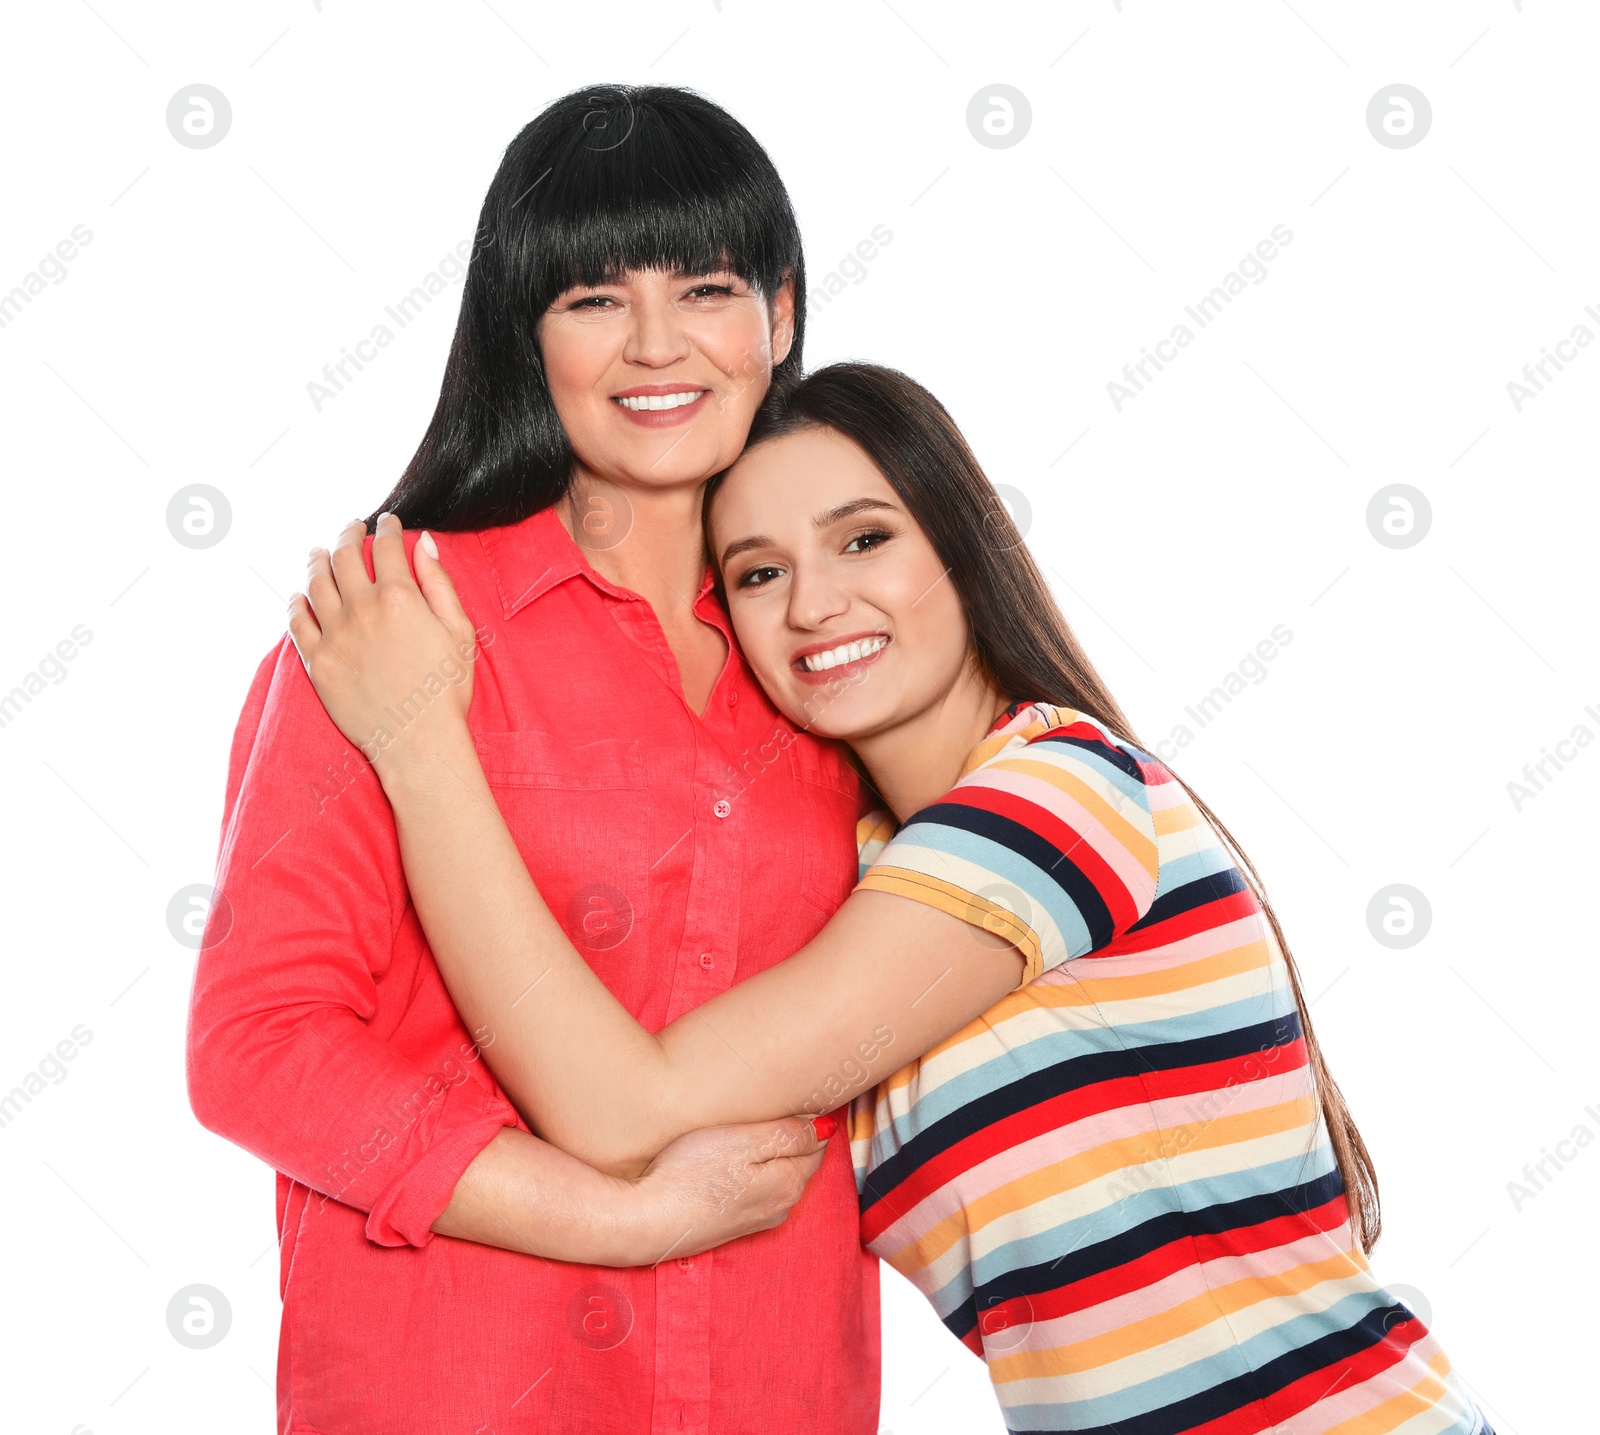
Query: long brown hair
point(1020, 640)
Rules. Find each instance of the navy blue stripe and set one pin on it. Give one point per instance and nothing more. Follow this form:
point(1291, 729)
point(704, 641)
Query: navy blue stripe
point(1324, 1355)
point(1031, 847)
point(1161, 1230)
point(1096, 747)
point(1203, 890)
point(1074, 1074)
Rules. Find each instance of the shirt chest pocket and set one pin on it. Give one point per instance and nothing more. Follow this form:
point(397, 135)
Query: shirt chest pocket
point(578, 814)
point(826, 860)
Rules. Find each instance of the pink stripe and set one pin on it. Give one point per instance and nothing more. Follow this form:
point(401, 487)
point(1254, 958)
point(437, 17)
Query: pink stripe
point(1197, 1280)
point(1042, 793)
point(1346, 1403)
point(1139, 1118)
point(1209, 943)
point(1166, 795)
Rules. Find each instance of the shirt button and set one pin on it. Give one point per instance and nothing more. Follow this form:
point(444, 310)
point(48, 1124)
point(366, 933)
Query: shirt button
point(685, 1263)
point(707, 960)
point(723, 807)
point(733, 696)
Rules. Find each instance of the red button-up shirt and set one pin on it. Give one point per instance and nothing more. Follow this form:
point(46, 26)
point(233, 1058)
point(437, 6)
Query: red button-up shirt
point(681, 853)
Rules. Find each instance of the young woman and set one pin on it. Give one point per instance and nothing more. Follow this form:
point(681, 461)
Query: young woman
point(1090, 1120)
point(562, 469)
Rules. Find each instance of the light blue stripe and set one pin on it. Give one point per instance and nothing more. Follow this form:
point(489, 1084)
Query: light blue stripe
point(1058, 1045)
point(1277, 1001)
point(1000, 865)
point(1066, 756)
point(1255, 1353)
point(1131, 1401)
point(1177, 872)
point(1065, 1044)
point(1133, 1210)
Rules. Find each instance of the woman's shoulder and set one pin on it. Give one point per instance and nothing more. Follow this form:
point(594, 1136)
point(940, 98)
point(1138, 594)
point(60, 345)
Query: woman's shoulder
point(1068, 734)
point(1048, 752)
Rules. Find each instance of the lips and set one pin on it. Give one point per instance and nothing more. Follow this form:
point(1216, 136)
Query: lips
point(661, 405)
point(839, 658)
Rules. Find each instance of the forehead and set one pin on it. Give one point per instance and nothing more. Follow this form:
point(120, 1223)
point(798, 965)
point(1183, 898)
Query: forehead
point(809, 461)
point(786, 482)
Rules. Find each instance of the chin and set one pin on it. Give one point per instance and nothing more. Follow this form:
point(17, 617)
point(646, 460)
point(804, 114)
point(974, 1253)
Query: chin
point(655, 465)
point(853, 711)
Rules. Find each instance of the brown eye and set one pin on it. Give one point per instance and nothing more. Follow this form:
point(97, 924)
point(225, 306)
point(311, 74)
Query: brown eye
point(752, 579)
point(872, 538)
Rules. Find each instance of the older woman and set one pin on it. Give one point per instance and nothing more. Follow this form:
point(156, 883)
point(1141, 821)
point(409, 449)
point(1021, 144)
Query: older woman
point(613, 704)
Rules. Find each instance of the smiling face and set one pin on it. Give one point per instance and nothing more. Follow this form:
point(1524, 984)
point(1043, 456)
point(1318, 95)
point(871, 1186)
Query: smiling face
point(842, 608)
point(655, 378)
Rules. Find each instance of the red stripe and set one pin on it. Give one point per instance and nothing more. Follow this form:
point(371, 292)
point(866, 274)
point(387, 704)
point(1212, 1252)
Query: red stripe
point(1317, 1385)
point(1064, 838)
point(1282, 1230)
point(1061, 1111)
point(1187, 924)
point(1177, 1255)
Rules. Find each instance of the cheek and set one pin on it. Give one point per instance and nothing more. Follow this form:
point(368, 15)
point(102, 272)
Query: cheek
point(574, 362)
point(931, 619)
point(760, 641)
point(740, 346)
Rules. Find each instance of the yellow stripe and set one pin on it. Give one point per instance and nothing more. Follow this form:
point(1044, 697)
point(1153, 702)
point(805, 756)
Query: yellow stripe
point(1075, 1171)
point(1086, 993)
point(1251, 957)
point(879, 825)
point(1090, 991)
point(958, 902)
point(1393, 1413)
point(1139, 843)
point(1177, 819)
point(1181, 1320)
point(999, 741)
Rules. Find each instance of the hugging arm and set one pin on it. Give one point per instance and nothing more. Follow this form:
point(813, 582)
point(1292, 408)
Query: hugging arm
point(282, 1058)
point(883, 982)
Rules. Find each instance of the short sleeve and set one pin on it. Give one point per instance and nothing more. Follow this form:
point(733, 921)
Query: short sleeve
point(1050, 842)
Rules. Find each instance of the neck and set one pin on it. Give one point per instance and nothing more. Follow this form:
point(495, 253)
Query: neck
point(917, 761)
point(647, 540)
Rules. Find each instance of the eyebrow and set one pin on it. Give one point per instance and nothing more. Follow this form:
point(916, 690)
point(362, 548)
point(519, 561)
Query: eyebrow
point(825, 519)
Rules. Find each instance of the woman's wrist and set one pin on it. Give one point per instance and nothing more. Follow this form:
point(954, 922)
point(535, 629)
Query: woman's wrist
point(640, 1218)
point(522, 1194)
point(416, 764)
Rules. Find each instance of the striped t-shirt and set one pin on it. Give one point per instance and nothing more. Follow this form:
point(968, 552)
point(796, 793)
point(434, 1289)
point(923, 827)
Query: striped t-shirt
point(1116, 1184)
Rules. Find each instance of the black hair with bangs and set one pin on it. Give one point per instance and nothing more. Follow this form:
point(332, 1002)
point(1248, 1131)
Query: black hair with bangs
point(605, 179)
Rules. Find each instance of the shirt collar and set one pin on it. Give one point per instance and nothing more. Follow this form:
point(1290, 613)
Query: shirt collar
point(1017, 722)
point(1009, 715)
point(531, 557)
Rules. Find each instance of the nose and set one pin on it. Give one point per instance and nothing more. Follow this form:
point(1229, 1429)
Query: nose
point(815, 596)
point(656, 338)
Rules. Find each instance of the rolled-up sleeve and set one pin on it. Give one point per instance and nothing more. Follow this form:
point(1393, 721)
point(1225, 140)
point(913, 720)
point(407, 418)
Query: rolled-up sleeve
point(281, 1056)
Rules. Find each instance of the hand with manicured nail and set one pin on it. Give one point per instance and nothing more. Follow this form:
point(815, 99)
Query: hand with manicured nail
point(723, 1182)
point(389, 655)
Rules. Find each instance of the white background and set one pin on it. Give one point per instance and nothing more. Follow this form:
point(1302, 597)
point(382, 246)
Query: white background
point(1229, 497)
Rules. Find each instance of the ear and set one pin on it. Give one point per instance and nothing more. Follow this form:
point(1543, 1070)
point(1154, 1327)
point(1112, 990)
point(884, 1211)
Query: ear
point(783, 320)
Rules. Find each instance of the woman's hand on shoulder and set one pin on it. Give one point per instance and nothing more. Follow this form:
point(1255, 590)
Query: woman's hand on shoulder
point(390, 656)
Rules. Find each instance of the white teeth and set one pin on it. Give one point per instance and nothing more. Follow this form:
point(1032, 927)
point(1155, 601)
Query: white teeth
point(844, 653)
point(639, 402)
